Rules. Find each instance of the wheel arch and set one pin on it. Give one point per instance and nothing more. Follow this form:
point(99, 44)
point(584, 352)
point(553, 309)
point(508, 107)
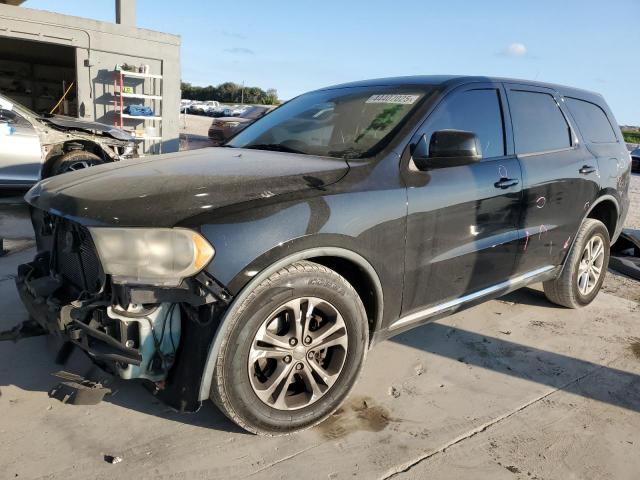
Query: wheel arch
point(606, 209)
point(351, 265)
point(57, 150)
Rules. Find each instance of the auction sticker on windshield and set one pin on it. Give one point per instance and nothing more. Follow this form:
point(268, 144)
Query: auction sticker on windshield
point(393, 98)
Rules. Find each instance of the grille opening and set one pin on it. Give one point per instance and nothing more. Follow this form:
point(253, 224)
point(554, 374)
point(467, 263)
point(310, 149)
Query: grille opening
point(75, 257)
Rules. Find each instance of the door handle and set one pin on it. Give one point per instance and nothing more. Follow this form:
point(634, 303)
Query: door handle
point(587, 169)
point(506, 183)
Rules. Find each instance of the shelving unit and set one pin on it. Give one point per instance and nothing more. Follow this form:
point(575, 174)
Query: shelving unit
point(147, 87)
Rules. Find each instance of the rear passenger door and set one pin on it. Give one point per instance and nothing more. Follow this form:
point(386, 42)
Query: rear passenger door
point(462, 220)
point(557, 180)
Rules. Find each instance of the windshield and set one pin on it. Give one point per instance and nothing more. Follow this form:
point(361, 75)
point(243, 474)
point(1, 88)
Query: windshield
point(344, 122)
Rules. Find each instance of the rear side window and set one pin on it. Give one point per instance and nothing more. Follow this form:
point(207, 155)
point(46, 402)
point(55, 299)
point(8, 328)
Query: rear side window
point(538, 122)
point(592, 121)
point(476, 111)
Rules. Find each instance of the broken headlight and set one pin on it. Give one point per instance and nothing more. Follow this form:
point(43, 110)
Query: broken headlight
point(151, 256)
point(130, 150)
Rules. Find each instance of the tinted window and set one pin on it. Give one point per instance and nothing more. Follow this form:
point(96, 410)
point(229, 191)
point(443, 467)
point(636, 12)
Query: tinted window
point(538, 123)
point(592, 121)
point(476, 111)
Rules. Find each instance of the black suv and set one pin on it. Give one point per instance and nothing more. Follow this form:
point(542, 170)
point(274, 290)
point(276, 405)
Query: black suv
point(258, 274)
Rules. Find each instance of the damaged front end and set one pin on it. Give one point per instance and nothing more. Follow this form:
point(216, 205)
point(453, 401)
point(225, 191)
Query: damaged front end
point(160, 334)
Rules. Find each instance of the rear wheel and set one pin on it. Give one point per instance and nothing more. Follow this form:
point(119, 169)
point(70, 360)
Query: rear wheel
point(75, 160)
point(292, 352)
point(585, 268)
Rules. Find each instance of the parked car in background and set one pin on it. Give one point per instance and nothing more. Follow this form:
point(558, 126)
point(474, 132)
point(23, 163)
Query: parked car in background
point(33, 146)
point(224, 128)
point(184, 105)
point(204, 108)
point(635, 160)
point(259, 275)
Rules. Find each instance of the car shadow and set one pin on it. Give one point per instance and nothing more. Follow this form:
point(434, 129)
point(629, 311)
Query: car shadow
point(29, 364)
point(528, 296)
point(521, 361)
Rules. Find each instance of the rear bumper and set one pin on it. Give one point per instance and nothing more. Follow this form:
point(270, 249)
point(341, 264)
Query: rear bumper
point(216, 135)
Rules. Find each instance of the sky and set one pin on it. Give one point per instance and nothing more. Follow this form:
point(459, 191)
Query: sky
point(299, 45)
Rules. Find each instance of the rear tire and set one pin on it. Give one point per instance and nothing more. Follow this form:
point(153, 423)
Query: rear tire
point(273, 375)
point(74, 160)
point(585, 267)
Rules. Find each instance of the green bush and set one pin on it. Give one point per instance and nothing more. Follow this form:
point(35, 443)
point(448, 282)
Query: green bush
point(230, 92)
point(631, 137)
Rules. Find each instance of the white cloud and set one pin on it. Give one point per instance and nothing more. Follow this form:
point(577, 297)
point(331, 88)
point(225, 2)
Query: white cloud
point(516, 50)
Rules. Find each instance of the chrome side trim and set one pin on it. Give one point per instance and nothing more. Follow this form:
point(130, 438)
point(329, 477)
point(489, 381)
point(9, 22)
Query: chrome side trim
point(544, 152)
point(507, 285)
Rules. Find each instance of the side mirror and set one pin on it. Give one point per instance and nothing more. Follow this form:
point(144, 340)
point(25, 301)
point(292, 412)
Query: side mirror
point(447, 148)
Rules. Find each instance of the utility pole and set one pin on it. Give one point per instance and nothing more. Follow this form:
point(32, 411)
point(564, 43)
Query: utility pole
point(242, 94)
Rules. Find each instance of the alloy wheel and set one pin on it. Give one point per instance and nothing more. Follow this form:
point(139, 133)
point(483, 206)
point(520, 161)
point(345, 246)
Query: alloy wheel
point(590, 267)
point(298, 353)
point(77, 166)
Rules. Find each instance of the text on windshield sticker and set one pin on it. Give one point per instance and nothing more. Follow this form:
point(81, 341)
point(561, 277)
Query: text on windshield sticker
point(393, 98)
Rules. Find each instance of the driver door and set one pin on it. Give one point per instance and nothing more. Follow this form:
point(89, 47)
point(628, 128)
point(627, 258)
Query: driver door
point(20, 152)
point(462, 226)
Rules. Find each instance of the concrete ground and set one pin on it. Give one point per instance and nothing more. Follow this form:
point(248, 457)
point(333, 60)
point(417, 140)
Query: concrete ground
point(194, 131)
point(513, 388)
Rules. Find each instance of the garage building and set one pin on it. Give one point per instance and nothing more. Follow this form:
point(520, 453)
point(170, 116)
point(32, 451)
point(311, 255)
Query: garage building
point(103, 68)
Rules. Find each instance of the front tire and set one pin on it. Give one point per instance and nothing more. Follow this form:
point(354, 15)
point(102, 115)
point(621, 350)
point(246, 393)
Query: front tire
point(75, 160)
point(292, 352)
point(585, 267)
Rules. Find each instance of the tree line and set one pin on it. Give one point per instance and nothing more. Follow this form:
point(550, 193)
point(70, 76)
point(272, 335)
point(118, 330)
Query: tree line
point(230, 92)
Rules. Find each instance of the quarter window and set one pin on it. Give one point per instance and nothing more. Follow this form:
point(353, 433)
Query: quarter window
point(592, 121)
point(538, 122)
point(476, 111)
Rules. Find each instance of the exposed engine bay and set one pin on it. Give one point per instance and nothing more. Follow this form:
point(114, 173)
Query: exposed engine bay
point(132, 332)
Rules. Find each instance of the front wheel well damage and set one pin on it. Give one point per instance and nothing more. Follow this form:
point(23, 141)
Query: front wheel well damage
point(58, 150)
point(361, 282)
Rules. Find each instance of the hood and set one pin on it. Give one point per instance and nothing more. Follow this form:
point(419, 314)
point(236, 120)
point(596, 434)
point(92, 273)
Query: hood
point(70, 123)
point(167, 189)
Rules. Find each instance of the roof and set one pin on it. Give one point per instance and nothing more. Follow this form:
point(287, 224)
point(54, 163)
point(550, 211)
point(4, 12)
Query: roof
point(450, 81)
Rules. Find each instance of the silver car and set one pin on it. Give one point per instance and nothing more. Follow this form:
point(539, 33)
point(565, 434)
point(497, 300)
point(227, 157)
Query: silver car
point(33, 147)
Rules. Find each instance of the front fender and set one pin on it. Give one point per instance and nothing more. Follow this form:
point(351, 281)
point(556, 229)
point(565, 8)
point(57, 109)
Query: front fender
point(258, 278)
point(364, 227)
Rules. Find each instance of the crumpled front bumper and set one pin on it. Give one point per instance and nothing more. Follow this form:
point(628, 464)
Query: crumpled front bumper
point(69, 321)
point(75, 323)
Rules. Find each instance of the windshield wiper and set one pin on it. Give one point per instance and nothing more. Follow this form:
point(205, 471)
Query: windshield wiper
point(275, 147)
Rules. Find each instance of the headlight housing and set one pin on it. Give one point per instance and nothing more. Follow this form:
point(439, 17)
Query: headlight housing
point(232, 124)
point(151, 256)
